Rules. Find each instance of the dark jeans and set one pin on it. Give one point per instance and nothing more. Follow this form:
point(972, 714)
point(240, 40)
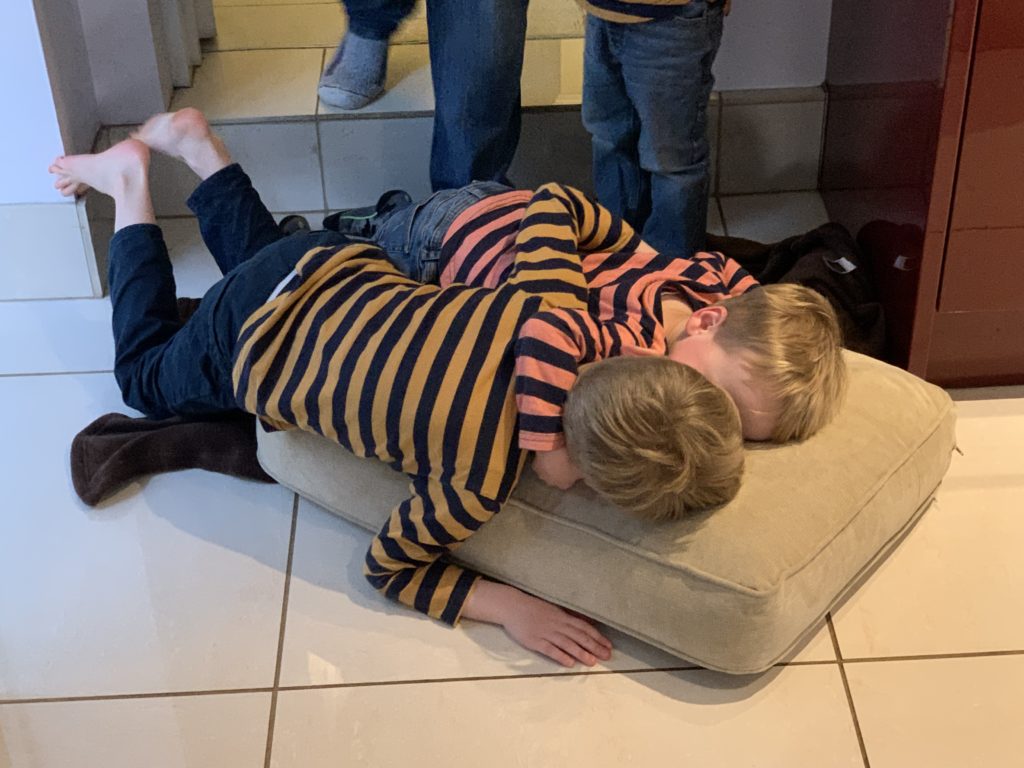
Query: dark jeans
point(476, 61)
point(165, 367)
point(645, 96)
point(412, 236)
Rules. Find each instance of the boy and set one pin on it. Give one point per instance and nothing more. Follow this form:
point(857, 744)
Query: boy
point(646, 84)
point(314, 332)
point(775, 350)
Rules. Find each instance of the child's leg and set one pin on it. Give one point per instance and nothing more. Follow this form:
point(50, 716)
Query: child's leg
point(145, 317)
point(233, 220)
point(666, 66)
point(412, 235)
point(613, 124)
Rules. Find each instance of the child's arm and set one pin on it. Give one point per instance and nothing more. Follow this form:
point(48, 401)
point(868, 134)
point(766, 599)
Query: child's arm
point(559, 225)
point(556, 468)
point(407, 561)
point(537, 624)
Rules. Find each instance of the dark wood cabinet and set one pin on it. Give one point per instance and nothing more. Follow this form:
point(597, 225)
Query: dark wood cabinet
point(925, 137)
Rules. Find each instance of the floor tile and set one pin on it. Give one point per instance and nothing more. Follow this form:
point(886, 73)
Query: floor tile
point(362, 158)
point(940, 713)
point(251, 85)
point(770, 218)
point(948, 587)
point(60, 336)
point(770, 147)
point(59, 270)
point(796, 717)
point(553, 146)
point(305, 25)
point(173, 584)
point(552, 73)
point(340, 630)
point(179, 732)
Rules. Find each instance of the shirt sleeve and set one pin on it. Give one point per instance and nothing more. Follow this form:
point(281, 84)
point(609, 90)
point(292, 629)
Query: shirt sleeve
point(408, 559)
point(551, 347)
point(714, 277)
point(559, 225)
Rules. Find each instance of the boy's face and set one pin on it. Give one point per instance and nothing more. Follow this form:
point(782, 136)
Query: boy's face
point(697, 348)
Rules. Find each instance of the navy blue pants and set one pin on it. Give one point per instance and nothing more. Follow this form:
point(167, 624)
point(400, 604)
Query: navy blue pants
point(476, 61)
point(165, 367)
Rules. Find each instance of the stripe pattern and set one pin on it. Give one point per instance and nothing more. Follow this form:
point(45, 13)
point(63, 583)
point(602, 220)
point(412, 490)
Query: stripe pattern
point(634, 11)
point(624, 276)
point(417, 376)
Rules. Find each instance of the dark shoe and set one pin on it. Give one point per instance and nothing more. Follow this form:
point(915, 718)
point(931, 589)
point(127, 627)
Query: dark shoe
point(361, 223)
point(293, 223)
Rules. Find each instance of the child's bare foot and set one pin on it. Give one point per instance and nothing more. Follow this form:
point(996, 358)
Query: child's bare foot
point(121, 172)
point(186, 135)
point(123, 166)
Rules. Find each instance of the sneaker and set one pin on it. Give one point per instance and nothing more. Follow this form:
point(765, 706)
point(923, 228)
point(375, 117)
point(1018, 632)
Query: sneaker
point(361, 223)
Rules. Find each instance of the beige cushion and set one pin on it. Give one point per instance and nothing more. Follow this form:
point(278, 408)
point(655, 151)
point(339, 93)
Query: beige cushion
point(734, 589)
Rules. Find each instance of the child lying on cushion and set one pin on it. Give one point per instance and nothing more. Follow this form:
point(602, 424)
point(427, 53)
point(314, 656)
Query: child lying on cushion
point(314, 332)
point(775, 350)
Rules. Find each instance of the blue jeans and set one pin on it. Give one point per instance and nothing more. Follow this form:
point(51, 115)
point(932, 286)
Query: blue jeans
point(645, 96)
point(412, 236)
point(165, 367)
point(476, 61)
point(376, 19)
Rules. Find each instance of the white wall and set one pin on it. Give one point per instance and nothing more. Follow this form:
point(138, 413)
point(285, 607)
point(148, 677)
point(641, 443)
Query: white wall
point(774, 44)
point(30, 134)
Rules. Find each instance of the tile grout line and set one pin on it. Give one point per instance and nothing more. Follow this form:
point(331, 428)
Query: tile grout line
point(55, 373)
point(281, 631)
point(721, 215)
point(319, 140)
point(478, 678)
point(849, 693)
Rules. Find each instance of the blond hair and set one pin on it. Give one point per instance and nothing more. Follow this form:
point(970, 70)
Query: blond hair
point(654, 436)
point(789, 337)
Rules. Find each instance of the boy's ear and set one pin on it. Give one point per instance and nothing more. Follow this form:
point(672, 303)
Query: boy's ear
point(706, 319)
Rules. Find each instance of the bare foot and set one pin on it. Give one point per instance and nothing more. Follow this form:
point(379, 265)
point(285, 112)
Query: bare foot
point(186, 135)
point(122, 166)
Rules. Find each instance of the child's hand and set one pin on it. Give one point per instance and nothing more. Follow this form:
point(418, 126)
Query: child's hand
point(556, 468)
point(538, 625)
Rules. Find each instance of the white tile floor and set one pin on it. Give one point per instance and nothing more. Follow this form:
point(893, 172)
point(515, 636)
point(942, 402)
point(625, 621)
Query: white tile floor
point(198, 620)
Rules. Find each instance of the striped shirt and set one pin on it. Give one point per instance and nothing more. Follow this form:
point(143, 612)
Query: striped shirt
point(635, 11)
point(625, 278)
point(420, 377)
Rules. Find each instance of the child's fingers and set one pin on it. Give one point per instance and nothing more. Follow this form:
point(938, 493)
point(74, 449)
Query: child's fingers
point(585, 625)
point(574, 649)
point(552, 651)
point(586, 641)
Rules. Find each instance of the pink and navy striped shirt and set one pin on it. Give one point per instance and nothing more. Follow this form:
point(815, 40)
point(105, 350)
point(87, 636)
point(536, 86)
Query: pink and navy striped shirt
point(625, 279)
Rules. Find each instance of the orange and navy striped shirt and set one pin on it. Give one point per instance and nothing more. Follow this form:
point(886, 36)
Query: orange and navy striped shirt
point(625, 278)
point(635, 11)
point(418, 376)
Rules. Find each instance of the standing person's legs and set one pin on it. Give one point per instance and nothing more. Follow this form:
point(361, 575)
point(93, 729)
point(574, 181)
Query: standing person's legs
point(476, 61)
point(355, 75)
point(666, 67)
point(614, 126)
point(233, 220)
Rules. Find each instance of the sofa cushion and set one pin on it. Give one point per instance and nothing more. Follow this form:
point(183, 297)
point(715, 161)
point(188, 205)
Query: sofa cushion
point(733, 589)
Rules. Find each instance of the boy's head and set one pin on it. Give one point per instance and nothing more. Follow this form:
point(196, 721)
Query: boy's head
point(777, 351)
point(655, 437)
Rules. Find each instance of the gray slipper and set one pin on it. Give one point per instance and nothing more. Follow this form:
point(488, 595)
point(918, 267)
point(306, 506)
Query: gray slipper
point(356, 74)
